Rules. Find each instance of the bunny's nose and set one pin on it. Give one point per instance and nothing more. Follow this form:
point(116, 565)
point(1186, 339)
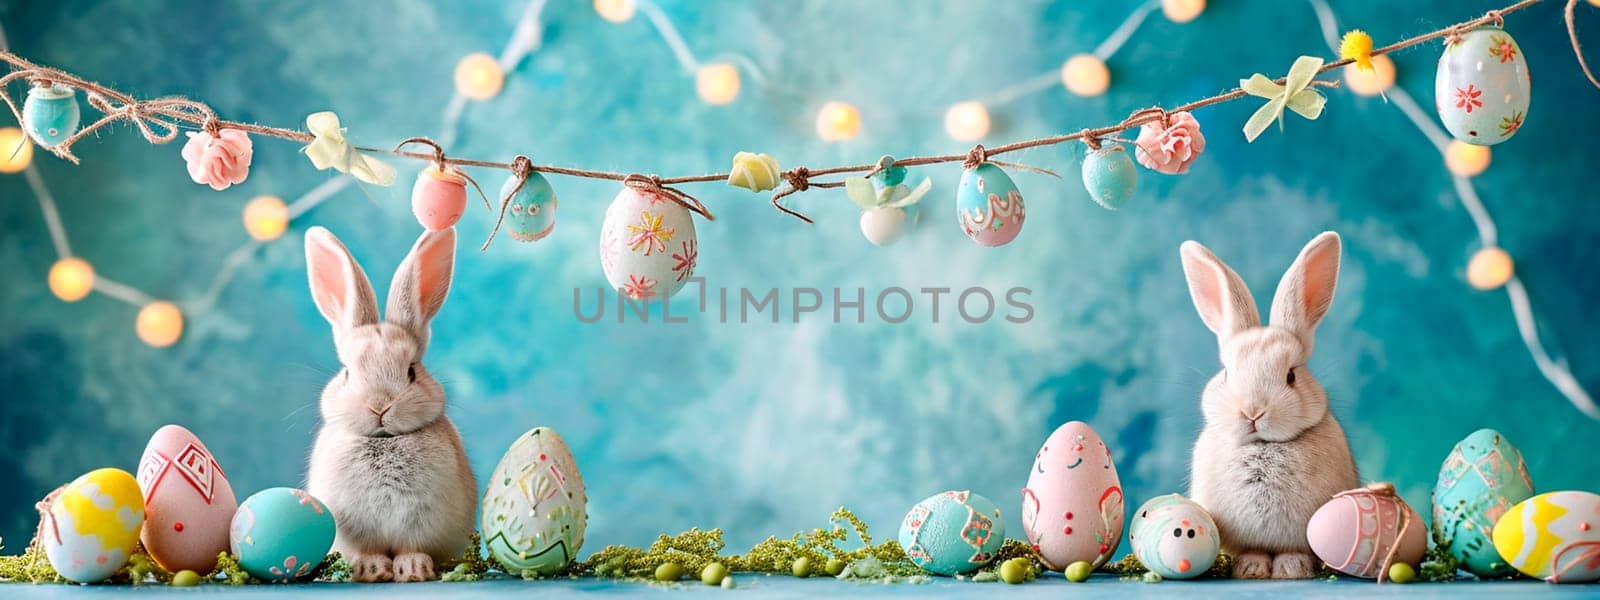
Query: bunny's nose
point(380, 413)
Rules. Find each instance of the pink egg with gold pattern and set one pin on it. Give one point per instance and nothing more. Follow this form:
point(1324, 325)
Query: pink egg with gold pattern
point(188, 502)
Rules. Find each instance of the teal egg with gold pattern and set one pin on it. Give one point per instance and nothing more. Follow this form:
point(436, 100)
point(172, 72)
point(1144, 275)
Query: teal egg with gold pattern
point(952, 532)
point(1482, 478)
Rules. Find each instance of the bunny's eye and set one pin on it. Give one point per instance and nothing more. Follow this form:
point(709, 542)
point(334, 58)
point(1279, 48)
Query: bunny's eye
point(412, 372)
point(1291, 376)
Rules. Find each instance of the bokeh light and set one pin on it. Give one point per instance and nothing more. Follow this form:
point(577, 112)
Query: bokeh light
point(16, 151)
point(1466, 160)
point(1086, 75)
point(266, 218)
point(1489, 268)
point(717, 83)
point(967, 121)
point(479, 76)
point(1182, 11)
point(838, 121)
point(616, 11)
point(71, 279)
point(160, 324)
point(1370, 83)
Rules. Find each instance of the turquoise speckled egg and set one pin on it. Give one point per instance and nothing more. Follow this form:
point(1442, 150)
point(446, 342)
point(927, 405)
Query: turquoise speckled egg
point(1174, 537)
point(989, 205)
point(50, 114)
point(1482, 478)
point(1482, 87)
point(531, 214)
point(952, 532)
point(281, 534)
point(1108, 174)
point(534, 508)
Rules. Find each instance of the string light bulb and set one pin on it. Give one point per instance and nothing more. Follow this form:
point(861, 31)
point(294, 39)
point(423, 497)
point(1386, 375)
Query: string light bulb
point(71, 279)
point(266, 218)
point(838, 121)
point(1086, 75)
point(1489, 268)
point(16, 152)
point(159, 324)
point(1182, 11)
point(615, 11)
point(1370, 83)
point(479, 76)
point(717, 83)
point(1466, 160)
point(967, 121)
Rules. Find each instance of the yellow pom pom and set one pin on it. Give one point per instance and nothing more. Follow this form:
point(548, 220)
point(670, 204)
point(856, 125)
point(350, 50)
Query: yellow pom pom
point(754, 172)
point(1357, 46)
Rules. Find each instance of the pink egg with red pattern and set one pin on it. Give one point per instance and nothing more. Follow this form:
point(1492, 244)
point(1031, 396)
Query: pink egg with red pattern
point(1072, 509)
point(189, 503)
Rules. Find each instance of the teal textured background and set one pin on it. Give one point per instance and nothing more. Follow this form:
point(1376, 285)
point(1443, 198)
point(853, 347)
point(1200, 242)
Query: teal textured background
point(761, 428)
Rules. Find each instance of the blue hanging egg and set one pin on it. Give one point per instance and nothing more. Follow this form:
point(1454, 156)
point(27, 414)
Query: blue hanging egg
point(952, 532)
point(50, 114)
point(531, 214)
point(1482, 86)
point(1108, 174)
point(989, 205)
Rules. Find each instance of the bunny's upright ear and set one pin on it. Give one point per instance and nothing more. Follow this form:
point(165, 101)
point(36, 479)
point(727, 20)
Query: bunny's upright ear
point(1220, 296)
point(338, 285)
point(422, 282)
point(1306, 291)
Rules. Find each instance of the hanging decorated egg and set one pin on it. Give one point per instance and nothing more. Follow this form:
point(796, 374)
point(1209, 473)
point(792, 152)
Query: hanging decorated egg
point(1481, 479)
point(281, 534)
point(989, 205)
point(952, 532)
point(1108, 174)
point(188, 502)
point(887, 203)
point(1554, 537)
point(647, 244)
point(1174, 537)
point(50, 114)
point(91, 527)
point(531, 214)
point(1361, 532)
point(1072, 508)
point(1482, 86)
point(534, 508)
point(439, 197)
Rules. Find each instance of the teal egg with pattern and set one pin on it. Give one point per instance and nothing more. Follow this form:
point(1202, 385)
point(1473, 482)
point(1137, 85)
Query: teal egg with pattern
point(531, 213)
point(1109, 176)
point(989, 205)
point(1482, 87)
point(952, 533)
point(50, 114)
point(281, 534)
point(1481, 479)
point(534, 510)
point(1174, 537)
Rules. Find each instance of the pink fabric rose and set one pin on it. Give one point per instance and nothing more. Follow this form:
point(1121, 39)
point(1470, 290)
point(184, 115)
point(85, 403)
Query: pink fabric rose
point(218, 161)
point(1170, 149)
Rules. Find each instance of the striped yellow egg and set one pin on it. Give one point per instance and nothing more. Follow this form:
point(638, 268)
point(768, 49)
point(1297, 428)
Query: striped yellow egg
point(1554, 537)
point(92, 526)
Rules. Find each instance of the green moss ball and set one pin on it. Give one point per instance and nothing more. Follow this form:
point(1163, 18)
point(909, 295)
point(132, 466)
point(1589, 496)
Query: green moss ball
point(1015, 570)
point(1402, 573)
point(801, 567)
point(186, 578)
point(1078, 572)
point(669, 572)
point(713, 574)
point(835, 567)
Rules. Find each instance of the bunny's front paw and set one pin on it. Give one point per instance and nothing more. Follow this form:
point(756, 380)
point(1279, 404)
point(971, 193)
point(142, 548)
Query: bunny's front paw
point(1293, 565)
point(1252, 565)
point(414, 566)
point(368, 568)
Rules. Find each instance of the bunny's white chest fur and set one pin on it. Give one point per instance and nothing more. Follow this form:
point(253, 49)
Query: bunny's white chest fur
point(1262, 494)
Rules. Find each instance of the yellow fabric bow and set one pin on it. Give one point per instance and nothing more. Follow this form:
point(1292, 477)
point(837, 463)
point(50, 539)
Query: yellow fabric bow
point(1296, 94)
point(330, 150)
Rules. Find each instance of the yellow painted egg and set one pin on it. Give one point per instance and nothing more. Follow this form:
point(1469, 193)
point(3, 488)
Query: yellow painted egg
point(1554, 537)
point(92, 525)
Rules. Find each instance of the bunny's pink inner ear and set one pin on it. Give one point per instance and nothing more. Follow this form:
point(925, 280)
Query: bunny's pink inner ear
point(1220, 296)
point(339, 287)
point(1306, 291)
point(423, 281)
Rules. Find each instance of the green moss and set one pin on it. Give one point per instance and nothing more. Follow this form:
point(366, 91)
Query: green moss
point(31, 566)
point(334, 568)
point(1131, 569)
point(228, 571)
point(1437, 565)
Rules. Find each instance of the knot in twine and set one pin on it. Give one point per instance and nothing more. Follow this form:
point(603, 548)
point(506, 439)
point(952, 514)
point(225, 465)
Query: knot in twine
point(521, 168)
point(1140, 117)
point(799, 180)
point(653, 184)
point(979, 155)
point(1572, 34)
point(443, 164)
point(1384, 489)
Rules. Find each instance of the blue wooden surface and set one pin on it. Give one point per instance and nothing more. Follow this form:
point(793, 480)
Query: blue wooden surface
point(771, 587)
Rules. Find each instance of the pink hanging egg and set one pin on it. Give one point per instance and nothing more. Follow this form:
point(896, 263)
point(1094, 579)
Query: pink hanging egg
point(439, 197)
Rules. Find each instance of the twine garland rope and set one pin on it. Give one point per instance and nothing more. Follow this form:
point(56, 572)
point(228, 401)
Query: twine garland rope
point(159, 121)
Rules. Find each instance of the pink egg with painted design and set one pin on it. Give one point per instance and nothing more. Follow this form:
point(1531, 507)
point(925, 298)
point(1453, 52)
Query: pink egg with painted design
point(1072, 509)
point(188, 502)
